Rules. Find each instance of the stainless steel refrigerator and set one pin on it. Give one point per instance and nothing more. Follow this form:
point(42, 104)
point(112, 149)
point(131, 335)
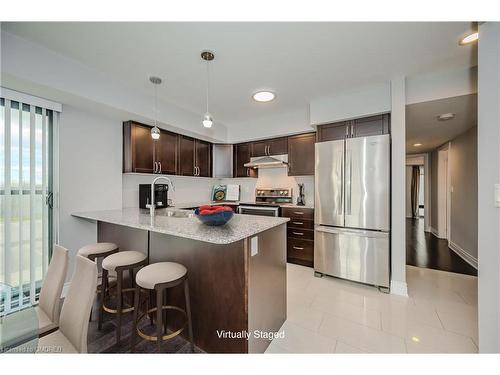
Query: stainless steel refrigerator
point(352, 209)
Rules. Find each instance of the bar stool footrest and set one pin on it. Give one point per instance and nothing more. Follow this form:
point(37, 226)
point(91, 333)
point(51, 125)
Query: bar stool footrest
point(164, 337)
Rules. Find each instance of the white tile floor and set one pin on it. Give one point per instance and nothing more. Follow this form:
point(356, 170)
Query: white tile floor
point(328, 315)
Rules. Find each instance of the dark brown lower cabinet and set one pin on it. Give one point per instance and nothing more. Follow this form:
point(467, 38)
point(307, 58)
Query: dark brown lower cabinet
point(300, 235)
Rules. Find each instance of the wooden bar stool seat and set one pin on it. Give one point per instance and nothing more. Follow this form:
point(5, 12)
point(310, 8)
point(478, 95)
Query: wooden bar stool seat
point(159, 277)
point(119, 262)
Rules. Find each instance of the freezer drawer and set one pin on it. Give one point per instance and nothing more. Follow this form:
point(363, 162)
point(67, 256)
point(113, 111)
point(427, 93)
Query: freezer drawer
point(356, 255)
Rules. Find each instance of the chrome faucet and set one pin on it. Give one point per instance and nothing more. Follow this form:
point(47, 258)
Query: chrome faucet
point(152, 205)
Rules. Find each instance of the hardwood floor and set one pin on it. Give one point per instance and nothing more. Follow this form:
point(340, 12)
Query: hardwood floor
point(426, 250)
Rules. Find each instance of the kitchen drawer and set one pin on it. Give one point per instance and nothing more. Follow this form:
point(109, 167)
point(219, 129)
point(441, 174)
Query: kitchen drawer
point(299, 213)
point(305, 234)
point(300, 251)
point(301, 224)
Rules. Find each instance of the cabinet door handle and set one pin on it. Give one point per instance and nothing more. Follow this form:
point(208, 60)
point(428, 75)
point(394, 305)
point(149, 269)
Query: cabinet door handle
point(155, 168)
point(248, 172)
point(352, 130)
point(298, 213)
point(298, 248)
point(197, 171)
point(298, 222)
point(298, 233)
point(160, 166)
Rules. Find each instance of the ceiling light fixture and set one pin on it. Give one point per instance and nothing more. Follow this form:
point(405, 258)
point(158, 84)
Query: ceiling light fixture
point(417, 144)
point(155, 132)
point(264, 96)
point(446, 116)
point(207, 118)
point(469, 38)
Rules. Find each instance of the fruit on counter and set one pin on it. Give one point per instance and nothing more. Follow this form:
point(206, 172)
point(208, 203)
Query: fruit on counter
point(210, 210)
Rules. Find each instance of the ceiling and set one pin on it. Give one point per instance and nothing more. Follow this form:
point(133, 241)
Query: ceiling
point(299, 61)
point(422, 125)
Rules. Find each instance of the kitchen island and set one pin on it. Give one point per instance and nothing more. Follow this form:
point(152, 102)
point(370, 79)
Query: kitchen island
point(237, 272)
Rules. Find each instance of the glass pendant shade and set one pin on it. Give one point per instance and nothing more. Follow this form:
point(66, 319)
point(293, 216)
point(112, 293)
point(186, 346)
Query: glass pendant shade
point(207, 120)
point(155, 133)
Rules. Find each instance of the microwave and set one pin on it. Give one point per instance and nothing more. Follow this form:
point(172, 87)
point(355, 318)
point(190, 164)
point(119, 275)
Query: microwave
point(161, 195)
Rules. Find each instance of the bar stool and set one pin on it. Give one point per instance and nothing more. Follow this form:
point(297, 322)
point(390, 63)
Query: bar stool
point(160, 277)
point(97, 252)
point(119, 262)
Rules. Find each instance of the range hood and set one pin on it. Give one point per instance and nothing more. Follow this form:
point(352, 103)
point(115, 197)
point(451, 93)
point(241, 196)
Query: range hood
point(276, 161)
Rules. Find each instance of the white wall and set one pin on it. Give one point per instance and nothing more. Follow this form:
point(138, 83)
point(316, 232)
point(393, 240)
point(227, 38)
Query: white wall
point(90, 164)
point(488, 175)
point(365, 101)
point(398, 180)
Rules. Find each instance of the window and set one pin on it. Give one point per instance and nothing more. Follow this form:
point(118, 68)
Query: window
point(25, 200)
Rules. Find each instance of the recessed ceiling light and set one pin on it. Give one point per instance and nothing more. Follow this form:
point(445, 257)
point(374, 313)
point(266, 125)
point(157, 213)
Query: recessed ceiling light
point(469, 38)
point(417, 144)
point(415, 339)
point(264, 96)
point(446, 116)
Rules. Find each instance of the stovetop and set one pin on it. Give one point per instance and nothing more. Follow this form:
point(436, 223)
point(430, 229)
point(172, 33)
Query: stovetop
point(273, 196)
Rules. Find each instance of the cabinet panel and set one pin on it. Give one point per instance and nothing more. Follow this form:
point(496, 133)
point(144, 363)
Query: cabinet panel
point(301, 154)
point(186, 155)
point(203, 158)
point(166, 152)
point(298, 213)
point(259, 148)
point(332, 132)
point(373, 125)
point(241, 155)
point(137, 148)
point(300, 252)
point(273, 146)
point(303, 234)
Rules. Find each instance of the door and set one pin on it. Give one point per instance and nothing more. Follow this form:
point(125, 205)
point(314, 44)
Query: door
point(367, 184)
point(186, 155)
point(368, 126)
point(277, 146)
point(259, 148)
point(356, 255)
point(142, 149)
point(203, 157)
point(301, 154)
point(332, 132)
point(166, 152)
point(242, 154)
point(328, 186)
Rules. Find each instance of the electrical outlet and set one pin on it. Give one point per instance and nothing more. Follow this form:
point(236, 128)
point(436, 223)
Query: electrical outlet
point(254, 246)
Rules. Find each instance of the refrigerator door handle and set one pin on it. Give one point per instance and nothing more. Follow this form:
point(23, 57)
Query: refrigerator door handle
point(348, 188)
point(351, 232)
point(340, 202)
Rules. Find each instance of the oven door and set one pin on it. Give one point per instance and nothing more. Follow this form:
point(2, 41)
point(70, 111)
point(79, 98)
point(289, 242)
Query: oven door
point(259, 210)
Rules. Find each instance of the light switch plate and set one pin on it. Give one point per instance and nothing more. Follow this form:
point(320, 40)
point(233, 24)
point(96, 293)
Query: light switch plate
point(254, 246)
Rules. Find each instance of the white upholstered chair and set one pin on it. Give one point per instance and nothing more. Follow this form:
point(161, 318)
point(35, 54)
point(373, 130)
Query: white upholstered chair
point(49, 304)
point(71, 337)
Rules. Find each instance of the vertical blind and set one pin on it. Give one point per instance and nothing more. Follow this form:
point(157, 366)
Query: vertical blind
point(25, 186)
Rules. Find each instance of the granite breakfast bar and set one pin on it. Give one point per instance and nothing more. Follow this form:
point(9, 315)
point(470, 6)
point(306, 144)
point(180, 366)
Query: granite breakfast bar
point(237, 272)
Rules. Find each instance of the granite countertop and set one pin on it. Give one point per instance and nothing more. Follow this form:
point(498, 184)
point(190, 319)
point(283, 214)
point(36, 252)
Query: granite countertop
point(238, 228)
point(201, 203)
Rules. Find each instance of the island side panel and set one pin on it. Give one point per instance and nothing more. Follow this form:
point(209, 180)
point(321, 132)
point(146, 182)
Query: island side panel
point(266, 285)
point(217, 289)
point(127, 239)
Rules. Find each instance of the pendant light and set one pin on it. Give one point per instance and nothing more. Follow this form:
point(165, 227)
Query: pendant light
point(207, 118)
point(155, 132)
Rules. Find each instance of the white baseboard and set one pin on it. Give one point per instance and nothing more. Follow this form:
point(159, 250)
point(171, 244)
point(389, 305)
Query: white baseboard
point(65, 289)
point(463, 254)
point(436, 233)
point(399, 288)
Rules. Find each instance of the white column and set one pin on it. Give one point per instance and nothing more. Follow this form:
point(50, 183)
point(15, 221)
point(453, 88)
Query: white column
point(488, 138)
point(398, 180)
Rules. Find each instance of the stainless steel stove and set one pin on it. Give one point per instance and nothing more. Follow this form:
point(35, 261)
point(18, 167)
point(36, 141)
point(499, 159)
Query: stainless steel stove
point(267, 202)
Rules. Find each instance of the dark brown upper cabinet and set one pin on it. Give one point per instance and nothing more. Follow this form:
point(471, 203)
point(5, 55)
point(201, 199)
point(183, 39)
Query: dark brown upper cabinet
point(186, 156)
point(274, 146)
point(165, 152)
point(195, 157)
point(203, 158)
point(241, 155)
point(362, 127)
point(373, 125)
point(301, 154)
point(138, 148)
